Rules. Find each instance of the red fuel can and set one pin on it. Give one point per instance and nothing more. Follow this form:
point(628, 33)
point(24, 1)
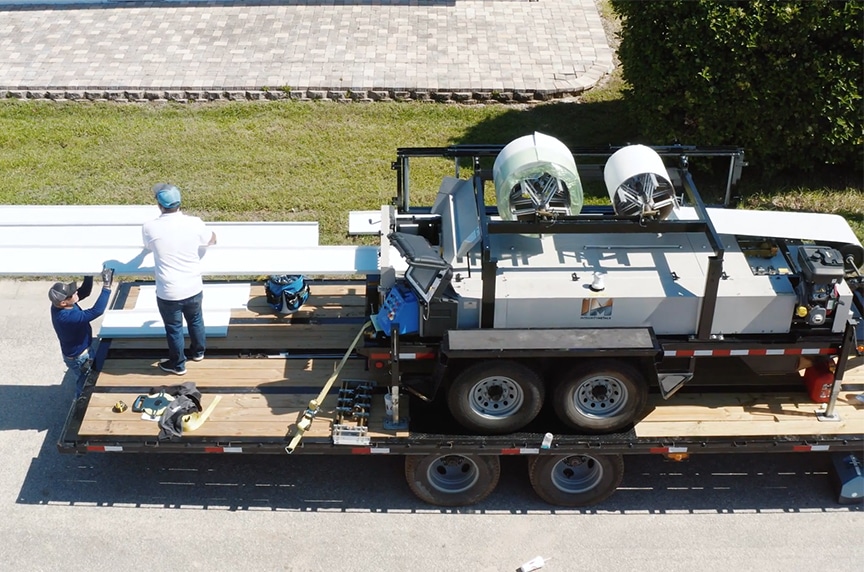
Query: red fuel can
point(819, 378)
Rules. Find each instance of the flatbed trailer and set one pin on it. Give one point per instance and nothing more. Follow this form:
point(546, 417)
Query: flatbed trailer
point(267, 368)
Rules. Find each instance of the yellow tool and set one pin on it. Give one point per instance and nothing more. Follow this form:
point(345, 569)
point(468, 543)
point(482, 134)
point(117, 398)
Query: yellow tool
point(305, 420)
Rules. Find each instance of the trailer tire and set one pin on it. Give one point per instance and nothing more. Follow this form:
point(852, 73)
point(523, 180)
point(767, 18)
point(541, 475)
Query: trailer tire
point(496, 397)
point(452, 480)
point(575, 480)
point(600, 396)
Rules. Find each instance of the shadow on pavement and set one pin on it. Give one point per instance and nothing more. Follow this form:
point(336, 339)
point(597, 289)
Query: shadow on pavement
point(719, 483)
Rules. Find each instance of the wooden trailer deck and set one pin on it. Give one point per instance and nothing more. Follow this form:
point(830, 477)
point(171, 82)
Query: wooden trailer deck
point(263, 393)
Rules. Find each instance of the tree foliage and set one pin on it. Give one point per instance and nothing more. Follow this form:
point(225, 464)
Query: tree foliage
point(783, 79)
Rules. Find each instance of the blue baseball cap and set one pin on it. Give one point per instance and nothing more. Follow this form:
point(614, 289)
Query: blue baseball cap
point(167, 195)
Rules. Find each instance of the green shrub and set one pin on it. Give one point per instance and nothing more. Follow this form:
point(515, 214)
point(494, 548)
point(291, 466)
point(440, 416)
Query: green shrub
point(783, 79)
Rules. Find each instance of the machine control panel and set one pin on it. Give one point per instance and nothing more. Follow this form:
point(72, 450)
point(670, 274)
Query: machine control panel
point(400, 307)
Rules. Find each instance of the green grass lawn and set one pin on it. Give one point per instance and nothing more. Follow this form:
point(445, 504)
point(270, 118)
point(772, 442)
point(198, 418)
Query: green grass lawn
point(297, 160)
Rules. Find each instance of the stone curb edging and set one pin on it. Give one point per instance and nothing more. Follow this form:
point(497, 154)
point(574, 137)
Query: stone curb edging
point(569, 88)
point(208, 95)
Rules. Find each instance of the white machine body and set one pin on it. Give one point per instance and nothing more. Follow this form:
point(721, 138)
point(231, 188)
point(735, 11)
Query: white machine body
point(656, 281)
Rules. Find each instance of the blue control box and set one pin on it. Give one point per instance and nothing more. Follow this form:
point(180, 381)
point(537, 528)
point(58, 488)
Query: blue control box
point(400, 307)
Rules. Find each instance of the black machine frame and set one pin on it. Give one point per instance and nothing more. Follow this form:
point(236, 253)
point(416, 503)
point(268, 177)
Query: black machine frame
point(603, 219)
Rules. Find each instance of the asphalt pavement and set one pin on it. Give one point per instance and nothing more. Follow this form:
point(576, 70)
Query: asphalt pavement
point(154, 512)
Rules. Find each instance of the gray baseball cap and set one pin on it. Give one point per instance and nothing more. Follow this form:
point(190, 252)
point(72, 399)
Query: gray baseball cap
point(60, 292)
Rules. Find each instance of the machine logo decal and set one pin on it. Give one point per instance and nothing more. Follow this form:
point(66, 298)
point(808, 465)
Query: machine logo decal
point(597, 308)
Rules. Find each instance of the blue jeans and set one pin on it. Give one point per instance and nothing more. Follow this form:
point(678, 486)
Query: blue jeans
point(173, 312)
point(80, 365)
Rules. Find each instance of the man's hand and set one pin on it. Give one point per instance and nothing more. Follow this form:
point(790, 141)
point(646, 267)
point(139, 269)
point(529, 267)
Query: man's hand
point(107, 277)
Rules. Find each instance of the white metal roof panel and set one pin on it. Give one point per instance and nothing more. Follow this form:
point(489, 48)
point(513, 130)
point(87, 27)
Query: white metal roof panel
point(218, 260)
point(46, 215)
point(144, 319)
point(364, 222)
point(77, 240)
point(234, 234)
point(776, 224)
point(148, 324)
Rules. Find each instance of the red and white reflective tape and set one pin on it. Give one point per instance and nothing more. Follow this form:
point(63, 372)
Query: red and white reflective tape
point(370, 450)
point(665, 450)
point(751, 352)
point(104, 448)
point(810, 448)
point(223, 449)
point(407, 355)
point(521, 451)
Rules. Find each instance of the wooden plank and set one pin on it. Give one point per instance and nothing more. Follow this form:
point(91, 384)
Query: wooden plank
point(730, 415)
point(271, 337)
point(854, 374)
point(749, 428)
point(262, 316)
point(236, 415)
point(730, 406)
point(339, 291)
point(325, 301)
point(228, 372)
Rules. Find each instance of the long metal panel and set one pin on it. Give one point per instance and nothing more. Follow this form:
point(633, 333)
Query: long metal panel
point(74, 240)
point(219, 260)
point(48, 215)
point(93, 235)
point(806, 226)
point(58, 247)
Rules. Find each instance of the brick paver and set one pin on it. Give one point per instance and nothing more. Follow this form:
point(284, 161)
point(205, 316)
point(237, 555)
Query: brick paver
point(326, 48)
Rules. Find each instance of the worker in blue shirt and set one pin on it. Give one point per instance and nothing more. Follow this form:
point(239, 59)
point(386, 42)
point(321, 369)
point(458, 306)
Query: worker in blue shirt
point(72, 323)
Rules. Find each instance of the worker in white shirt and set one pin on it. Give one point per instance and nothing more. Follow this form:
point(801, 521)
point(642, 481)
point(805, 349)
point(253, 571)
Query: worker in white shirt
point(175, 240)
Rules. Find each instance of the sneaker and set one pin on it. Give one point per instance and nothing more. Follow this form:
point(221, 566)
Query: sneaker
point(199, 357)
point(164, 365)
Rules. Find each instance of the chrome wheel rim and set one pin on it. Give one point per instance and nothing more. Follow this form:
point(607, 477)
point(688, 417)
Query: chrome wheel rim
point(600, 396)
point(577, 474)
point(496, 397)
point(452, 474)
